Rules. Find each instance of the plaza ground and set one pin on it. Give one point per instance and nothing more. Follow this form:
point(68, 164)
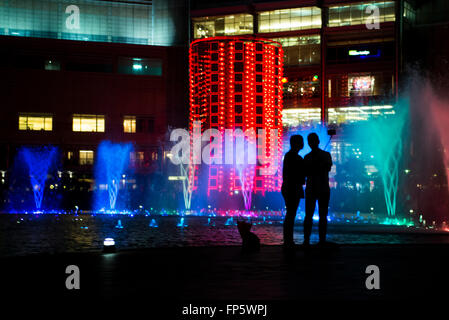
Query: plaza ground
point(222, 274)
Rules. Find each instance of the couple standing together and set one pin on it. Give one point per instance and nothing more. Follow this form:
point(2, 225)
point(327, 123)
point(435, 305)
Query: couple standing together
point(313, 171)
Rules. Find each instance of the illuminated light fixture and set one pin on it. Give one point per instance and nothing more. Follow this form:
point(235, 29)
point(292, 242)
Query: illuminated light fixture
point(364, 54)
point(294, 116)
point(236, 83)
point(284, 80)
point(109, 242)
point(137, 67)
point(108, 245)
point(315, 78)
point(359, 53)
point(176, 178)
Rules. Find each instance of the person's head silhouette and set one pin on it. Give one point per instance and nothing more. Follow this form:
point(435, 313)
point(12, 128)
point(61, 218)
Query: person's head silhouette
point(296, 143)
point(313, 140)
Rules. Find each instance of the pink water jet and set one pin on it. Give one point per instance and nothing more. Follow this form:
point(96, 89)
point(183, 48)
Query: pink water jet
point(439, 110)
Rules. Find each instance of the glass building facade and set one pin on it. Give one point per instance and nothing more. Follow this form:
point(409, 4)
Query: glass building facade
point(298, 31)
point(301, 50)
point(140, 22)
point(289, 19)
point(292, 19)
point(297, 117)
point(342, 76)
point(360, 13)
point(236, 24)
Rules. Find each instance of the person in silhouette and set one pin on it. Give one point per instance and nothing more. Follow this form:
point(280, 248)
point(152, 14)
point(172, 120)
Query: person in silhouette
point(292, 186)
point(318, 163)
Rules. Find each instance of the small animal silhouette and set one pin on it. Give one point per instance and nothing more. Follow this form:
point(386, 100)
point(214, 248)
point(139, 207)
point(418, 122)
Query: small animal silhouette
point(250, 242)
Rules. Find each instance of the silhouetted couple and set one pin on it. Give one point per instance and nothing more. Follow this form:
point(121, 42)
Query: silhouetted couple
point(313, 171)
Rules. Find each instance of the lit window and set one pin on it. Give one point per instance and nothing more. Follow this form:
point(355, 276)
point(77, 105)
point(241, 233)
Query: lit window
point(301, 50)
point(297, 116)
point(88, 123)
point(140, 66)
point(129, 124)
point(356, 14)
point(302, 92)
point(409, 12)
point(137, 158)
point(361, 85)
point(35, 122)
point(154, 155)
point(234, 24)
point(289, 19)
point(86, 157)
point(52, 65)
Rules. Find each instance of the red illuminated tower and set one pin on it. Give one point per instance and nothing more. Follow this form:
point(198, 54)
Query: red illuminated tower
point(235, 83)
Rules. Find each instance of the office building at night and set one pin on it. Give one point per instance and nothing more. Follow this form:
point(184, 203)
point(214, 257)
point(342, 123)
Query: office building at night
point(342, 65)
point(339, 68)
point(75, 73)
point(236, 85)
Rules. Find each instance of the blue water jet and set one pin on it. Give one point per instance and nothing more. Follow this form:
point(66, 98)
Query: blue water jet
point(119, 224)
point(153, 224)
point(181, 223)
point(111, 164)
point(38, 160)
point(229, 221)
point(384, 138)
point(210, 223)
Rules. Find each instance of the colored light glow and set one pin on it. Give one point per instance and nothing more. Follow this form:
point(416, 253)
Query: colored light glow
point(383, 138)
point(295, 116)
point(363, 83)
point(267, 216)
point(397, 222)
point(181, 223)
point(111, 162)
point(109, 242)
point(137, 67)
point(237, 83)
point(358, 53)
point(284, 80)
point(119, 224)
point(38, 161)
point(176, 178)
point(364, 53)
point(153, 224)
